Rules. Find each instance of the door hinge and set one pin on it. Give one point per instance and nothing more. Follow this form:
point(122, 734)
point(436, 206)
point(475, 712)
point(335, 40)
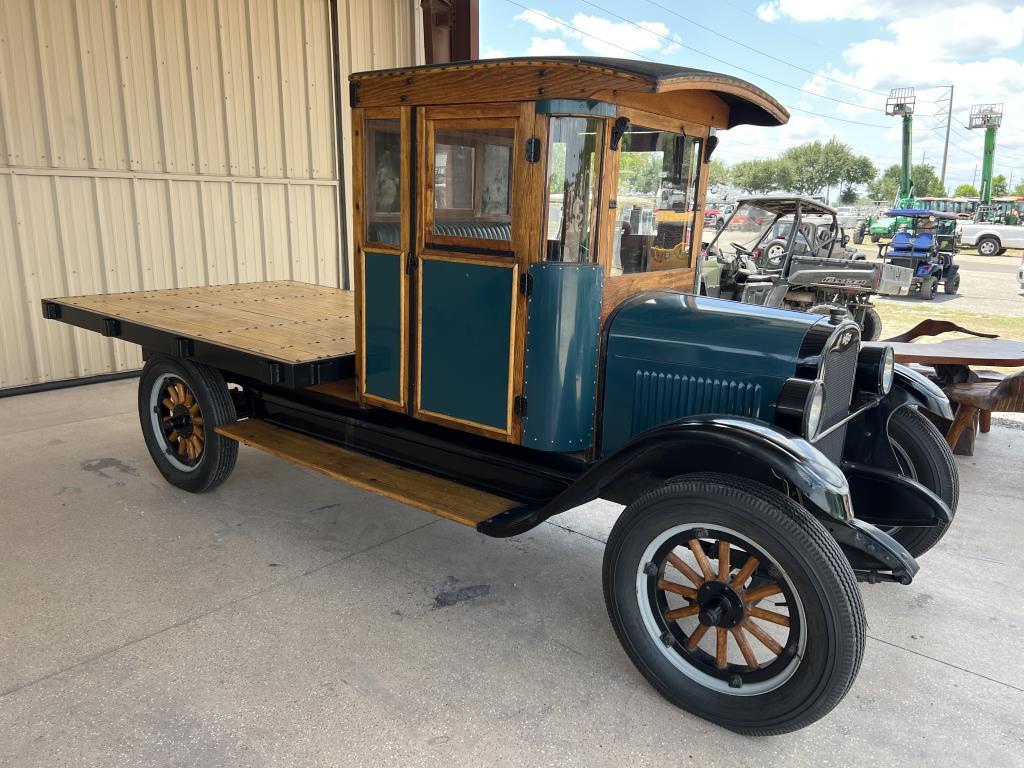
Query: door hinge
point(526, 284)
point(532, 150)
point(519, 406)
point(411, 263)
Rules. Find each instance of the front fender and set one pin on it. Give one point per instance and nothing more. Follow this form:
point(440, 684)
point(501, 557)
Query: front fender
point(921, 390)
point(732, 444)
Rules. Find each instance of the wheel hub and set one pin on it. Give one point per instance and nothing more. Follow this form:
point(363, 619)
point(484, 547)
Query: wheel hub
point(181, 421)
point(720, 605)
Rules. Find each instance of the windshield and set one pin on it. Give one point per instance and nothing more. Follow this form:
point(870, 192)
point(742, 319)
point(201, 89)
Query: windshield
point(746, 227)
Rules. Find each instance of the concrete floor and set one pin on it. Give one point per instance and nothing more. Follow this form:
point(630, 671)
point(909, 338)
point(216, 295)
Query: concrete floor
point(290, 620)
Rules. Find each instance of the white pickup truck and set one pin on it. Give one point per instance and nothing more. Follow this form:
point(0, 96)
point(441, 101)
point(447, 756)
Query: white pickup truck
point(990, 239)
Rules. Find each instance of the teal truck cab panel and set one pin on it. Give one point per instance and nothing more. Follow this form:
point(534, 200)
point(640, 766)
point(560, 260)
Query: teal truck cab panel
point(670, 355)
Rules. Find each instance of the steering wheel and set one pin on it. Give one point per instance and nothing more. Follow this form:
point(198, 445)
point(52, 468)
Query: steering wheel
point(740, 249)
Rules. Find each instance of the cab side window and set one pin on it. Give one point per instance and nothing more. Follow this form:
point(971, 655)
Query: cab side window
point(472, 185)
point(382, 181)
point(573, 173)
point(656, 200)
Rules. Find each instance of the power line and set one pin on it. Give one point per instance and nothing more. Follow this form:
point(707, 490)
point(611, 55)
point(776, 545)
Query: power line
point(702, 53)
point(673, 41)
point(760, 52)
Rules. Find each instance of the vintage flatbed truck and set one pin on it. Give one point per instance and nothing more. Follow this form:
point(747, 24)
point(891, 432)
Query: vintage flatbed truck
point(525, 335)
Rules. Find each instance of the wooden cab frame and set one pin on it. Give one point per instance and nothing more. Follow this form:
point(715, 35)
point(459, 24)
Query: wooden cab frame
point(465, 251)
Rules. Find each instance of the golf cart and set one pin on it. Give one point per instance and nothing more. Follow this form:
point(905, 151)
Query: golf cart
point(927, 246)
point(797, 258)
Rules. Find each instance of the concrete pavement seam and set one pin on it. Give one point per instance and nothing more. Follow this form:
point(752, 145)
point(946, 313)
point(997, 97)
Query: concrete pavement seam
point(946, 663)
point(110, 651)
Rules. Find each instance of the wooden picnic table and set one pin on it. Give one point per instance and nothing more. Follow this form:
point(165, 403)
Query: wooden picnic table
point(952, 360)
point(1004, 353)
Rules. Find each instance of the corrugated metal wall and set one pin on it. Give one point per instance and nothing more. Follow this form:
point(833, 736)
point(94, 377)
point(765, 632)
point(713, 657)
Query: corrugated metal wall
point(166, 143)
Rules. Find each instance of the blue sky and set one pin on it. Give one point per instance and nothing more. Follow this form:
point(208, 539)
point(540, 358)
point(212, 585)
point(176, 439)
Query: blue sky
point(831, 63)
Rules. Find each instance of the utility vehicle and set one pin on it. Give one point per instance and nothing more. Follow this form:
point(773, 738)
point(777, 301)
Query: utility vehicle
point(510, 351)
point(989, 238)
point(797, 258)
point(928, 246)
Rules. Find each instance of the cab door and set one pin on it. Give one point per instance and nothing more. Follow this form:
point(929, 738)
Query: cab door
point(382, 215)
point(472, 234)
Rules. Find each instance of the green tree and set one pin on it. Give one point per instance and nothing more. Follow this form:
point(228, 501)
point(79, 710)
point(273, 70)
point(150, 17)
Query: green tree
point(999, 186)
point(926, 183)
point(848, 196)
point(807, 167)
point(1018, 191)
point(859, 170)
point(886, 185)
point(758, 176)
point(719, 173)
point(965, 190)
point(640, 171)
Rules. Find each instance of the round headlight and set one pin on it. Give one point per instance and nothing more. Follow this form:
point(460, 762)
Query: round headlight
point(800, 406)
point(876, 366)
point(814, 409)
point(888, 370)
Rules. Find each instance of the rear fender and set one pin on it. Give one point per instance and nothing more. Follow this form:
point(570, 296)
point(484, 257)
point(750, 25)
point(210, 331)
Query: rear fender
point(736, 445)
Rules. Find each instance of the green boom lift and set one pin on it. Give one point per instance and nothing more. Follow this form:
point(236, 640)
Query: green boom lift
point(989, 117)
point(899, 104)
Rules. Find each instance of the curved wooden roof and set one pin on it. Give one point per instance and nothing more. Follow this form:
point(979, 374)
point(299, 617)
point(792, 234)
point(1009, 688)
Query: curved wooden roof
point(662, 88)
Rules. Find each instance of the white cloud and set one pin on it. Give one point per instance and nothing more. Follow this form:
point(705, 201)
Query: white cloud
point(548, 46)
point(849, 10)
point(543, 22)
point(967, 47)
point(610, 38)
point(598, 35)
point(769, 12)
point(493, 53)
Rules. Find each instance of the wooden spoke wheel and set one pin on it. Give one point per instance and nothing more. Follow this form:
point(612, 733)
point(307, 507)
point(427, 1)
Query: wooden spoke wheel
point(734, 602)
point(724, 608)
point(181, 403)
point(181, 422)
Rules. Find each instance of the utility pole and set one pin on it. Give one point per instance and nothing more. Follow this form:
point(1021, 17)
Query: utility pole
point(949, 123)
point(974, 178)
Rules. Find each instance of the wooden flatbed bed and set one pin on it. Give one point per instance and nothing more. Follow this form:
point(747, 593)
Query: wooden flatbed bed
point(287, 333)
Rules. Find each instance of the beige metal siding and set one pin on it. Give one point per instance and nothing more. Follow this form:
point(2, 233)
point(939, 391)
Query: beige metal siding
point(167, 143)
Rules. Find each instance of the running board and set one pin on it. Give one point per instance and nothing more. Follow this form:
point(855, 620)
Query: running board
point(444, 498)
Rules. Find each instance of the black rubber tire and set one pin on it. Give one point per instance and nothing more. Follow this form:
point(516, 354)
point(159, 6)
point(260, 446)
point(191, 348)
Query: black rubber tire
point(871, 328)
point(928, 288)
point(987, 246)
point(211, 391)
point(858, 236)
point(875, 238)
point(919, 441)
point(817, 570)
point(952, 284)
point(778, 245)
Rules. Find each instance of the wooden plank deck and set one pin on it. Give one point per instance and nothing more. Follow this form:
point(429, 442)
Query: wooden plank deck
point(284, 320)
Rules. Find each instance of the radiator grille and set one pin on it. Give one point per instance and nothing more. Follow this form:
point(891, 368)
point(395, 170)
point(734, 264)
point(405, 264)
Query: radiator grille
point(839, 370)
point(660, 397)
